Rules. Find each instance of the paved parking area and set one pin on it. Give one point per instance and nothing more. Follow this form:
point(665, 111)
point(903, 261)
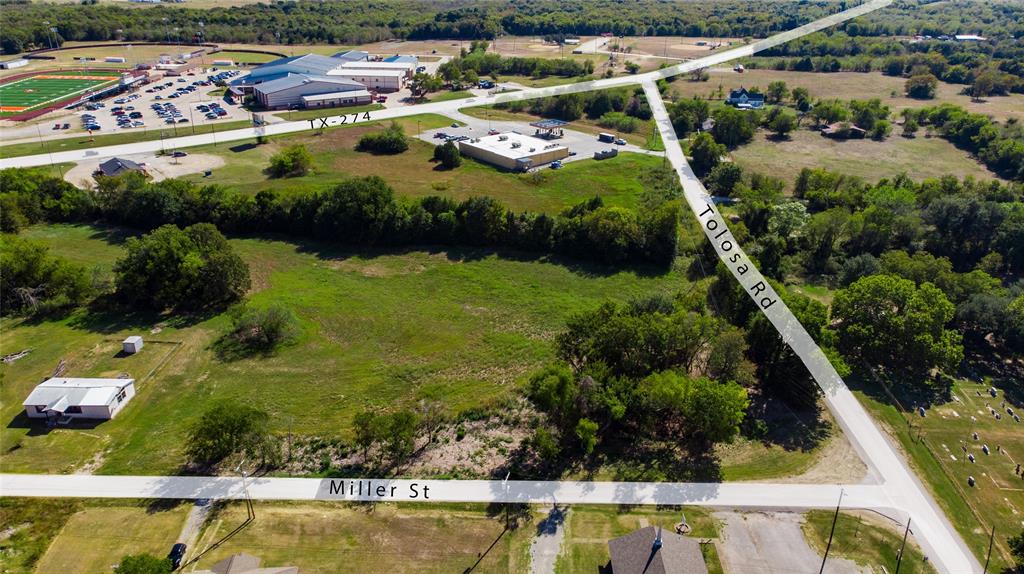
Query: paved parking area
point(772, 543)
point(581, 144)
point(186, 104)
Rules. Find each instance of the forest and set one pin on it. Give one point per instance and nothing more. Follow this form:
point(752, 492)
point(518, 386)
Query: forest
point(350, 22)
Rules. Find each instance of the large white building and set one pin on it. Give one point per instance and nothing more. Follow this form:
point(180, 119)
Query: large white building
point(513, 151)
point(79, 398)
point(293, 90)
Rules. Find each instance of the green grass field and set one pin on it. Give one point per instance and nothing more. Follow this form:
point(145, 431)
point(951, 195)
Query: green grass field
point(866, 539)
point(414, 175)
point(377, 329)
point(647, 136)
point(920, 157)
point(934, 449)
point(589, 528)
point(379, 538)
point(40, 90)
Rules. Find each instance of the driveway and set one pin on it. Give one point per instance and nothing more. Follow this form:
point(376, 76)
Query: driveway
point(772, 543)
point(582, 143)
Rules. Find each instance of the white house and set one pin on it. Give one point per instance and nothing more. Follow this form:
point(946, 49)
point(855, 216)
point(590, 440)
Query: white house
point(79, 398)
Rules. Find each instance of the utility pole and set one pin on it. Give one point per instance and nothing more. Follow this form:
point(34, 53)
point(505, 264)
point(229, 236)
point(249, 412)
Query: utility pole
point(835, 519)
point(991, 541)
point(899, 557)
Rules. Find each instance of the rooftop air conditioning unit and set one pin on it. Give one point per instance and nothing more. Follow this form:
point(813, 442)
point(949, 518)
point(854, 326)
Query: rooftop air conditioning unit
point(516, 145)
point(502, 138)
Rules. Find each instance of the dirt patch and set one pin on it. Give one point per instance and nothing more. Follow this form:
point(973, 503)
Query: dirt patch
point(158, 167)
point(836, 463)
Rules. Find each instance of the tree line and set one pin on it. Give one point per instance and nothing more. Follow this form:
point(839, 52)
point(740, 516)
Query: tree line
point(351, 22)
point(359, 211)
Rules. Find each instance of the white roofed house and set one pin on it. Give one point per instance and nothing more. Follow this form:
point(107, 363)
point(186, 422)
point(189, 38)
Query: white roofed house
point(71, 398)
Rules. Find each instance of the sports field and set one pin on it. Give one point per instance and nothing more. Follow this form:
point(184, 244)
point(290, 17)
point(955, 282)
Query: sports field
point(43, 89)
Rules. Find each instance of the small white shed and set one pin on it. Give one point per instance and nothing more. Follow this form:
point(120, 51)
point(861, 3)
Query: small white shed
point(132, 345)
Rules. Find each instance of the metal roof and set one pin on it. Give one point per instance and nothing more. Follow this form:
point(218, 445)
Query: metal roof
point(333, 95)
point(352, 55)
point(549, 124)
point(295, 80)
point(59, 393)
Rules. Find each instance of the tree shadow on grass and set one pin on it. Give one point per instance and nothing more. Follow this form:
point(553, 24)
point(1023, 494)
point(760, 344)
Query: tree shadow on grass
point(470, 254)
point(773, 422)
point(106, 315)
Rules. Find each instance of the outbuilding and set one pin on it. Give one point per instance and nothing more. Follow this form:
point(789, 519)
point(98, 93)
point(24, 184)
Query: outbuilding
point(15, 63)
point(513, 151)
point(74, 398)
point(132, 345)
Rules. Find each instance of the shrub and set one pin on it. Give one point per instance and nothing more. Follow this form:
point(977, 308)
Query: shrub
point(921, 86)
point(292, 161)
point(447, 154)
point(32, 280)
point(257, 331)
point(618, 121)
point(143, 564)
point(388, 141)
point(229, 428)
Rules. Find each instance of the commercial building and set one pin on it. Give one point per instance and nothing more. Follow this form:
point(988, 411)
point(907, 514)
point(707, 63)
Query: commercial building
point(296, 89)
point(513, 151)
point(407, 68)
point(352, 56)
point(15, 63)
point(375, 80)
point(70, 398)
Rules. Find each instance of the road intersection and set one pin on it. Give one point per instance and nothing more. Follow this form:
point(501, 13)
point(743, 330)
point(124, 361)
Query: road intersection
point(899, 496)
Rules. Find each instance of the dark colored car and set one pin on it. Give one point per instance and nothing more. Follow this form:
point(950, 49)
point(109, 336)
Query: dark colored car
point(176, 554)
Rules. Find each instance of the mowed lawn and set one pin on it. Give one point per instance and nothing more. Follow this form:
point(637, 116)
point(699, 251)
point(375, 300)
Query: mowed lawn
point(326, 538)
point(94, 539)
point(378, 329)
point(413, 174)
point(867, 539)
point(589, 528)
point(920, 157)
point(997, 499)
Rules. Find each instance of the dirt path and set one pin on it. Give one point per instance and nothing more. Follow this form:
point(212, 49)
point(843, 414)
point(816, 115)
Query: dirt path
point(547, 545)
point(158, 166)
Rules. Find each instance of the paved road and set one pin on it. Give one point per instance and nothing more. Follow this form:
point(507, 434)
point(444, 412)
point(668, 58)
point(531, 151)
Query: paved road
point(901, 490)
point(934, 531)
point(443, 107)
point(723, 495)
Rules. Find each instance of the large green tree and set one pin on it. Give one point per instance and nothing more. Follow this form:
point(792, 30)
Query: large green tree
point(186, 268)
point(888, 321)
point(229, 428)
point(33, 280)
point(143, 564)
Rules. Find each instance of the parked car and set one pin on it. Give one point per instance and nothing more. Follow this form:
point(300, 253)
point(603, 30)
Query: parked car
point(556, 164)
point(179, 154)
point(176, 555)
point(620, 141)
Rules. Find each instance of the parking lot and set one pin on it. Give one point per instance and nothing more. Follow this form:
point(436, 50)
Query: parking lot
point(171, 103)
point(581, 145)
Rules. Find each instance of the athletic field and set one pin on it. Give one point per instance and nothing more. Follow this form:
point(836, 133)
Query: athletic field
point(44, 89)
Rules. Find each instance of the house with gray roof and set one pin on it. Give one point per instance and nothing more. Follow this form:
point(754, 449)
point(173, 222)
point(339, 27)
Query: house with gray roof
point(116, 166)
point(651, 551)
point(74, 398)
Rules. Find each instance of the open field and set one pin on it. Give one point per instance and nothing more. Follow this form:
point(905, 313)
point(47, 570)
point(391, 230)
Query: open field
point(412, 173)
point(334, 537)
point(589, 528)
point(920, 157)
point(847, 86)
point(66, 58)
point(934, 448)
point(378, 329)
point(865, 538)
point(676, 46)
point(34, 92)
point(244, 57)
point(94, 539)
